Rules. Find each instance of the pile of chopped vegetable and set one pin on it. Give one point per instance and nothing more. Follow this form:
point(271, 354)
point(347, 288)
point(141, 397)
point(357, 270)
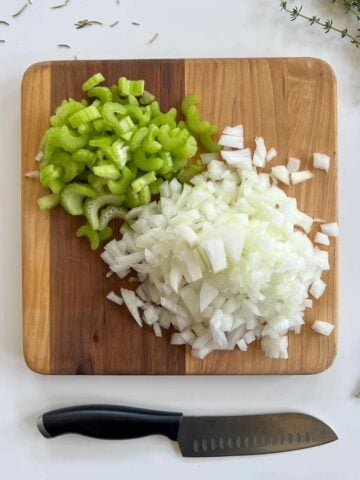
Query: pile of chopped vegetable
point(103, 158)
point(227, 260)
point(221, 253)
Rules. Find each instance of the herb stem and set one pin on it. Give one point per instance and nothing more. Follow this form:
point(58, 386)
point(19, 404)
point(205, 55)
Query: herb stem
point(327, 24)
point(21, 10)
point(348, 8)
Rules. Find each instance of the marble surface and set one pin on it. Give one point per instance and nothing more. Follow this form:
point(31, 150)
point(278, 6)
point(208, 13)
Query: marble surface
point(201, 28)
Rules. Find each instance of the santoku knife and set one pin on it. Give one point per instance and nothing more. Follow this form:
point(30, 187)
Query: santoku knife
point(197, 436)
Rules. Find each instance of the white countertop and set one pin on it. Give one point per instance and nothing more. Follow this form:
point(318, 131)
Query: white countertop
point(187, 28)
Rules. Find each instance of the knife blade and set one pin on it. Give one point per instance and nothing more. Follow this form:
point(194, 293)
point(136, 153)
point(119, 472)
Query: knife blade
point(197, 436)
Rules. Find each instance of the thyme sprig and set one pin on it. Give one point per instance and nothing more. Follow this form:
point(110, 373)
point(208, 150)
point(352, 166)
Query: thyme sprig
point(327, 24)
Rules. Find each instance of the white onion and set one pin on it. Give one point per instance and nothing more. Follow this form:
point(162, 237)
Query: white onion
point(321, 161)
point(39, 156)
point(299, 177)
point(324, 328)
point(115, 298)
point(271, 154)
point(259, 159)
point(32, 174)
point(321, 238)
point(281, 173)
point(231, 141)
point(293, 165)
point(223, 262)
point(330, 229)
point(236, 131)
point(207, 157)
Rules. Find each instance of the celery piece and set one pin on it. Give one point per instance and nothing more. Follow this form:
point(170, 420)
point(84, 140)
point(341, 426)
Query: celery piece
point(84, 155)
point(133, 168)
point(137, 138)
point(127, 136)
point(188, 101)
point(168, 163)
point(86, 115)
point(132, 100)
point(93, 205)
point(96, 182)
point(187, 150)
point(146, 98)
point(115, 94)
point(99, 125)
point(71, 200)
point(50, 173)
point(93, 81)
point(120, 187)
point(109, 172)
point(130, 87)
point(64, 111)
point(208, 143)
point(149, 144)
point(123, 86)
point(85, 128)
point(48, 201)
point(140, 182)
point(109, 213)
point(172, 139)
point(119, 153)
point(102, 141)
point(105, 234)
point(145, 195)
point(125, 125)
point(132, 199)
point(90, 234)
point(64, 138)
point(110, 110)
point(155, 186)
point(56, 186)
point(194, 123)
point(147, 164)
point(187, 174)
point(155, 108)
point(104, 94)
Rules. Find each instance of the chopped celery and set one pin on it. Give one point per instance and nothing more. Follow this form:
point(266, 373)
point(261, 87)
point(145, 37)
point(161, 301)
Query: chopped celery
point(86, 115)
point(147, 164)
point(50, 173)
point(109, 213)
point(132, 199)
point(90, 234)
point(188, 101)
point(149, 144)
point(104, 94)
point(146, 98)
point(56, 186)
point(110, 172)
point(125, 124)
point(93, 205)
point(93, 81)
point(102, 141)
point(105, 234)
point(48, 201)
point(72, 197)
point(137, 138)
point(140, 182)
point(120, 187)
point(84, 155)
point(130, 87)
point(188, 149)
point(194, 123)
point(85, 128)
point(145, 195)
point(170, 139)
point(155, 186)
point(208, 143)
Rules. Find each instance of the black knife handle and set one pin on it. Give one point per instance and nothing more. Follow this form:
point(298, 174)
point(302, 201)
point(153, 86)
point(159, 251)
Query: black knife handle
point(109, 422)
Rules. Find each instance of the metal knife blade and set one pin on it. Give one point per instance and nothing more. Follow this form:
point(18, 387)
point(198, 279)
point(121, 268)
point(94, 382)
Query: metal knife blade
point(251, 435)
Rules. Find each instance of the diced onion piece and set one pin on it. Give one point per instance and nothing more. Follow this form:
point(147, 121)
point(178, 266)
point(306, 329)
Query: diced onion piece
point(238, 158)
point(249, 337)
point(299, 177)
point(317, 288)
point(242, 345)
point(177, 339)
point(215, 252)
point(322, 238)
point(151, 314)
point(32, 174)
point(238, 131)
point(131, 301)
point(157, 330)
point(281, 173)
point(321, 161)
point(293, 165)
point(231, 141)
point(324, 328)
point(39, 156)
point(206, 158)
point(330, 229)
point(208, 293)
point(259, 159)
point(271, 154)
point(115, 298)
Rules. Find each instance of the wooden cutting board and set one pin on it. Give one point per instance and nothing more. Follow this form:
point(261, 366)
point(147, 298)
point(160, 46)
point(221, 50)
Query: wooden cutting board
point(69, 326)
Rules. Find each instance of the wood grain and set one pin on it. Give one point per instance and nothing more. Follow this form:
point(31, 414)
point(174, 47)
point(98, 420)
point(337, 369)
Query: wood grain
point(69, 327)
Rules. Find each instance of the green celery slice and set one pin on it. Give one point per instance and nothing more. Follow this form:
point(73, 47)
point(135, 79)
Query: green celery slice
point(48, 201)
point(109, 213)
point(93, 205)
point(140, 182)
point(93, 81)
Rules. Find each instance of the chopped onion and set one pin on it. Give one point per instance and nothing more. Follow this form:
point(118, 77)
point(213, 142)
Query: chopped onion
point(321, 161)
point(281, 173)
point(223, 261)
point(299, 177)
point(32, 174)
point(330, 229)
point(231, 141)
point(322, 238)
point(39, 156)
point(237, 131)
point(293, 165)
point(324, 328)
point(271, 154)
point(206, 158)
point(115, 298)
point(259, 159)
